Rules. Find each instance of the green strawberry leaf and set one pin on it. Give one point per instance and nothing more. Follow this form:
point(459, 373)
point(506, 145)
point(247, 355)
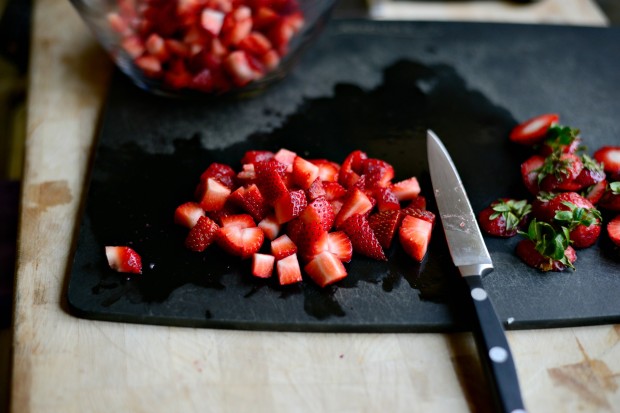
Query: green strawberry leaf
point(615, 187)
point(512, 210)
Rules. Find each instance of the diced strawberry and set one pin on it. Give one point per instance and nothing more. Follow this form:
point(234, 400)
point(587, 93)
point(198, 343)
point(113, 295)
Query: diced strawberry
point(247, 175)
point(212, 21)
point(386, 199)
point(270, 181)
point(609, 156)
point(265, 17)
point(613, 230)
point(304, 172)
point(255, 44)
point(262, 265)
point(282, 247)
point(351, 168)
point(418, 202)
point(118, 24)
point(415, 235)
point(378, 173)
point(201, 235)
point(222, 173)
point(595, 192)
point(504, 217)
point(236, 26)
point(288, 270)
point(419, 213)
point(177, 47)
point(384, 225)
point(325, 269)
point(251, 201)
point(238, 66)
point(406, 190)
point(337, 205)
point(280, 35)
point(156, 47)
point(533, 130)
point(289, 205)
point(339, 244)
point(295, 20)
point(134, 46)
point(319, 211)
point(333, 190)
point(178, 77)
point(213, 195)
point(256, 156)
point(529, 173)
point(188, 214)
point(286, 157)
point(328, 170)
point(226, 211)
point(355, 202)
point(242, 242)
point(270, 226)
point(238, 220)
point(270, 60)
point(123, 259)
point(149, 64)
point(362, 237)
point(316, 190)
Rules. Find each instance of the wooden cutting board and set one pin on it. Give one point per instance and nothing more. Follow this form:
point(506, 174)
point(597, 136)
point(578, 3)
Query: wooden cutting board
point(374, 86)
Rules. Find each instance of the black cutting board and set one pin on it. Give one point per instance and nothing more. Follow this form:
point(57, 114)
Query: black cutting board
point(374, 86)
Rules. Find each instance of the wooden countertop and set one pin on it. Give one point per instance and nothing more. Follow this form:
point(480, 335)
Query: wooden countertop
point(65, 364)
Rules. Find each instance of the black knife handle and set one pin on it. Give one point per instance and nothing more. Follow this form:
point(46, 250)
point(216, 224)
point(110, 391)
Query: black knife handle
point(494, 350)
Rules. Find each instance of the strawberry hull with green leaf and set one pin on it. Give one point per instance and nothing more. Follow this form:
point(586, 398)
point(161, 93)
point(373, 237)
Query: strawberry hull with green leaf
point(546, 248)
point(504, 217)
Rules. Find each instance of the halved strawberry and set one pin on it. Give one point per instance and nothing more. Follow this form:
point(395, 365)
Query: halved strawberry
point(325, 269)
point(319, 211)
point(386, 199)
point(212, 195)
point(504, 217)
point(611, 198)
point(201, 235)
point(529, 173)
point(187, 214)
point(289, 205)
point(288, 270)
point(123, 259)
point(533, 130)
point(222, 173)
point(526, 250)
point(339, 244)
point(242, 242)
point(595, 192)
point(609, 156)
point(262, 265)
point(406, 190)
point(282, 247)
point(384, 225)
point(362, 237)
point(613, 230)
point(304, 172)
point(328, 170)
point(270, 226)
point(355, 202)
point(415, 235)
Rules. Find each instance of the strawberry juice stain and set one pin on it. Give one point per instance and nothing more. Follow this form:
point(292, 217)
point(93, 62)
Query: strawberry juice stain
point(134, 193)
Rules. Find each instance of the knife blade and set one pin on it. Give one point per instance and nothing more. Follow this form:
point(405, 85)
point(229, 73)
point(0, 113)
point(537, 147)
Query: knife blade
point(471, 257)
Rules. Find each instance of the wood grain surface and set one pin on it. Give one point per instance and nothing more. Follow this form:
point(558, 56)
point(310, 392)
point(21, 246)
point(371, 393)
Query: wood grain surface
point(65, 364)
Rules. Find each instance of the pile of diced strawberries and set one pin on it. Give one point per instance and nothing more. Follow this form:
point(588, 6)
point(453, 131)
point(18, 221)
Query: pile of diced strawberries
point(285, 213)
point(206, 45)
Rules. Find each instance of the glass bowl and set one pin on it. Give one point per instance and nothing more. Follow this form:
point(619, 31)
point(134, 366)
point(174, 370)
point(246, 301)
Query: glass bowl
point(204, 47)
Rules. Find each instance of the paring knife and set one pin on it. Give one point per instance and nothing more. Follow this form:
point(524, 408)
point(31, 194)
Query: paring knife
point(471, 257)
